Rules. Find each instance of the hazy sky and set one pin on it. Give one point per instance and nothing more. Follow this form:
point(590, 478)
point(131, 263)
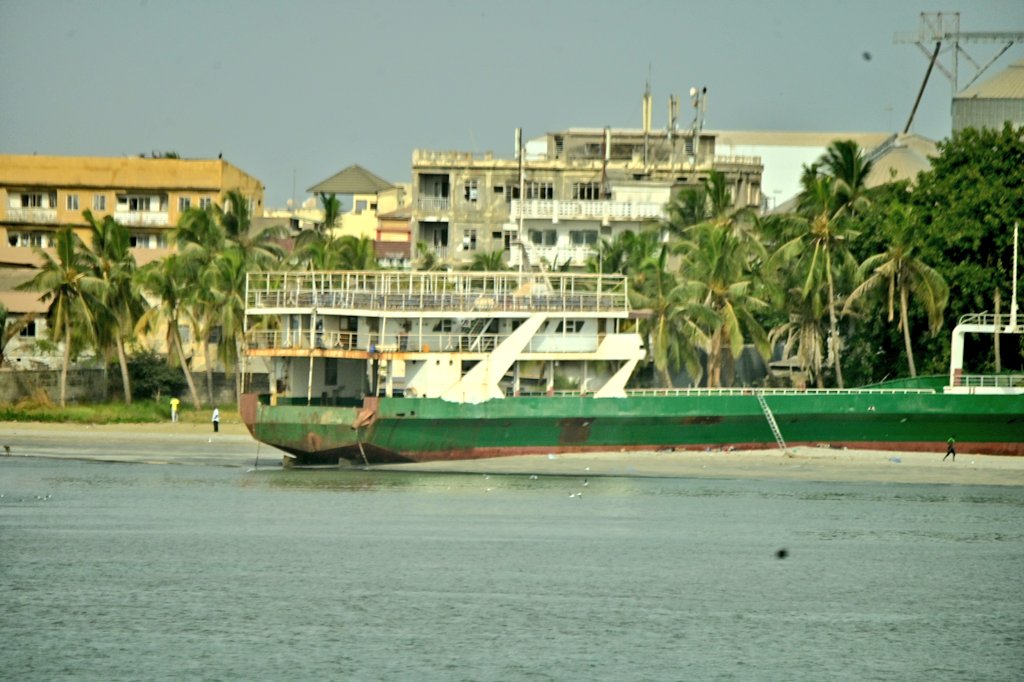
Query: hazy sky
point(293, 92)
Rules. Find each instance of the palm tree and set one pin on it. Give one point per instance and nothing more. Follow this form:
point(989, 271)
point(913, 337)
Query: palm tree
point(491, 261)
point(820, 247)
point(319, 251)
point(904, 274)
point(846, 164)
point(226, 283)
point(357, 253)
point(201, 237)
point(65, 280)
point(332, 211)
point(426, 258)
point(260, 247)
point(625, 253)
point(168, 280)
point(717, 264)
point(119, 304)
point(670, 327)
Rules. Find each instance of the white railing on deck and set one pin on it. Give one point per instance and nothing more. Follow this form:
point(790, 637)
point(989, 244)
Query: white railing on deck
point(772, 391)
point(445, 292)
point(991, 380)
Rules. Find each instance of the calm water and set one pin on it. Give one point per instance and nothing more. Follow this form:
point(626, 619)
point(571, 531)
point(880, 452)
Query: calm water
point(132, 572)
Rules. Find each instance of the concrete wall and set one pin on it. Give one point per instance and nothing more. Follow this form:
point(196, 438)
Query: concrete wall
point(91, 385)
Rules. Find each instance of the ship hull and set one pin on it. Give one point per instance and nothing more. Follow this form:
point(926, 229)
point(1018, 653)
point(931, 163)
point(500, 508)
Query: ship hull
point(424, 429)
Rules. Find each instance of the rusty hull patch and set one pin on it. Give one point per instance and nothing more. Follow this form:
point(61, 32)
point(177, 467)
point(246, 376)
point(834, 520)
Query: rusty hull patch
point(574, 431)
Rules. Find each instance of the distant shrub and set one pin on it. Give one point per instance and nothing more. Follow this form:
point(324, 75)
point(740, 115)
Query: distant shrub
point(150, 375)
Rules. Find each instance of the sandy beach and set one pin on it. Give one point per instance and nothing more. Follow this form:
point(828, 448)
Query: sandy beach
point(233, 447)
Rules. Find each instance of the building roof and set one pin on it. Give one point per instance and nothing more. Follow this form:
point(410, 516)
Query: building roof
point(114, 171)
point(353, 180)
point(794, 138)
point(901, 157)
point(1007, 84)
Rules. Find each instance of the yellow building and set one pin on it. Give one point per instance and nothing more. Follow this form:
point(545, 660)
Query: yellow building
point(363, 196)
point(41, 194)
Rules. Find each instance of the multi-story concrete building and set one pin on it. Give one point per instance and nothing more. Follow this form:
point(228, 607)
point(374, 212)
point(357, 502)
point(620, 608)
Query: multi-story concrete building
point(565, 192)
point(39, 195)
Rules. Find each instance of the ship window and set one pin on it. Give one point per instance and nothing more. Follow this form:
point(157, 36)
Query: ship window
point(443, 326)
point(570, 326)
point(331, 372)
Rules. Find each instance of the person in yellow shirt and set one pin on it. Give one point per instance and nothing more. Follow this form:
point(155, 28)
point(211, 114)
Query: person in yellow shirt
point(174, 408)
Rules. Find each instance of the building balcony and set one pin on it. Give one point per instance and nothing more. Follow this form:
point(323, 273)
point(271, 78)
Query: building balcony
point(435, 204)
point(37, 216)
point(143, 218)
point(605, 211)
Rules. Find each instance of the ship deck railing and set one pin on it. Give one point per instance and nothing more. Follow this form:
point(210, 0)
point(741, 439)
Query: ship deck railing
point(412, 342)
point(990, 380)
point(444, 292)
point(774, 391)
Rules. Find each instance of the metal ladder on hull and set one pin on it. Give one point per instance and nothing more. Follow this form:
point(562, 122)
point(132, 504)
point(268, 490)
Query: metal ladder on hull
point(771, 420)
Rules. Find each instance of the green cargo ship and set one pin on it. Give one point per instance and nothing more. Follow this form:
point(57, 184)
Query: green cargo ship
point(376, 367)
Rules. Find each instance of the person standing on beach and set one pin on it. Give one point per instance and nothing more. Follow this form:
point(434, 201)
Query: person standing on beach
point(950, 448)
point(174, 408)
point(216, 420)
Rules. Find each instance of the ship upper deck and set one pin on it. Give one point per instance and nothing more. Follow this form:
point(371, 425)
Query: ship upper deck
point(442, 293)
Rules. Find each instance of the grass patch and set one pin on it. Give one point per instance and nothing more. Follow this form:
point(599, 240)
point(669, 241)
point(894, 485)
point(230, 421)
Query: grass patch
point(139, 412)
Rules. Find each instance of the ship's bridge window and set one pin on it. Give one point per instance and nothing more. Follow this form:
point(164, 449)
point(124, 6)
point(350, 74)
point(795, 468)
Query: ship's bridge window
point(443, 326)
point(570, 326)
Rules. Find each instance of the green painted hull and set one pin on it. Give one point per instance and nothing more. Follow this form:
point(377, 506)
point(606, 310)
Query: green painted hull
point(424, 429)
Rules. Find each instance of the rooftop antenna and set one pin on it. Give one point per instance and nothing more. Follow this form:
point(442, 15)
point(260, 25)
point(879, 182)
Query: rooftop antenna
point(646, 124)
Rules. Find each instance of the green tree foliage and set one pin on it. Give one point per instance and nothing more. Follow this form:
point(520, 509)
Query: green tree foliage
point(67, 284)
point(966, 206)
point(151, 377)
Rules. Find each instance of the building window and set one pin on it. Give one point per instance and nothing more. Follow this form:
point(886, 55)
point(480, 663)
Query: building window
point(72, 202)
point(29, 330)
point(469, 240)
point(360, 206)
point(99, 202)
point(586, 191)
point(133, 203)
point(540, 190)
point(511, 192)
point(471, 191)
point(583, 237)
point(31, 200)
point(543, 237)
point(184, 204)
point(205, 202)
point(42, 240)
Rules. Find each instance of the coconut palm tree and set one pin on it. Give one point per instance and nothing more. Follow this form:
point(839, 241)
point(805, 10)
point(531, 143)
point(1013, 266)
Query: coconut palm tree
point(357, 253)
point(120, 303)
point(225, 281)
point(260, 247)
point(332, 211)
point(846, 164)
point(66, 282)
point(490, 261)
point(168, 280)
point(672, 325)
point(904, 274)
point(201, 238)
point(718, 277)
point(820, 248)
